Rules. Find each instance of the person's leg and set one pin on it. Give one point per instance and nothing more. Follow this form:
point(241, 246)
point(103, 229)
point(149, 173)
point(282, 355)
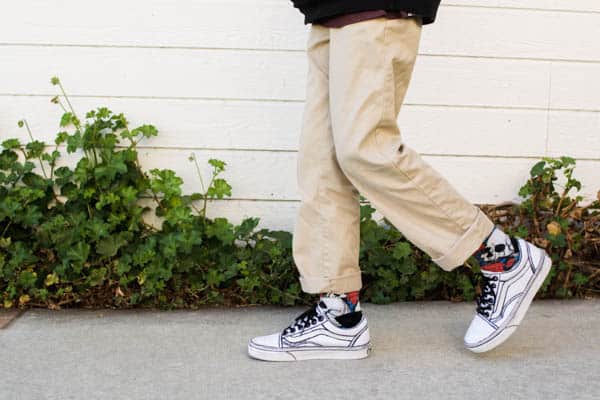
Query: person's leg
point(371, 64)
point(326, 237)
point(370, 67)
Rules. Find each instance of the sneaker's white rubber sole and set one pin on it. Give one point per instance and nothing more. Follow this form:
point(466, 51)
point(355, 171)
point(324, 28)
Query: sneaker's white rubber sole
point(510, 326)
point(309, 354)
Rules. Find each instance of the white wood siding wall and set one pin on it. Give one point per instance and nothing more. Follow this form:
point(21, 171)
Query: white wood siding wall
point(498, 84)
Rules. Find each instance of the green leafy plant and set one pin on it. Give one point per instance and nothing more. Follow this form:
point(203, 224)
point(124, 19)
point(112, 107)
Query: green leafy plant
point(79, 235)
point(553, 218)
point(103, 232)
point(567, 230)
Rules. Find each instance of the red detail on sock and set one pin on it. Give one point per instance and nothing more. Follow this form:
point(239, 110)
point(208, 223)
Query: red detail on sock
point(481, 247)
point(510, 263)
point(495, 267)
point(352, 297)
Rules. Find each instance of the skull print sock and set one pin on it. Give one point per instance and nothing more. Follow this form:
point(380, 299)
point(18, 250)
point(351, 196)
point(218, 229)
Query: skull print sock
point(499, 252)
point(350, 299)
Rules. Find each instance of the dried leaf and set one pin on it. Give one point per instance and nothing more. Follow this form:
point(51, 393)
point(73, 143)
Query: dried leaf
point(568, 253)
point(24, 299)
point(553, 228)
point(576, 213)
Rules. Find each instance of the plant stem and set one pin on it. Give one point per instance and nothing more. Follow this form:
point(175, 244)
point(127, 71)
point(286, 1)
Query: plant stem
point(31, 137)
point(61, 104)
point(205, 193)
point(536, 223)
point(198, 171)
point(6, 228)
point(562, 198)
point(68, 101)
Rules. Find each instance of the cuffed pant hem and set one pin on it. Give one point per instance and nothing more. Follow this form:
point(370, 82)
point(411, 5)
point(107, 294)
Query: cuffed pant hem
point(467, 244)
point(340, 284)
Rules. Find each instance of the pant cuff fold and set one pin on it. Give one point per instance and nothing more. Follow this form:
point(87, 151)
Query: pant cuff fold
point(339, 284)
point(467, 244)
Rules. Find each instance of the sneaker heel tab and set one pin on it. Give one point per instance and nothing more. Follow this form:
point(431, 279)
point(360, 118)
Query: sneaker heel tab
point(350, 319)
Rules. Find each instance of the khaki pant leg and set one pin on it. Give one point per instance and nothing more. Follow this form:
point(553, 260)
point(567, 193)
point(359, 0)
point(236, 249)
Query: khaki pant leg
point(327, 230)
point(371, 63)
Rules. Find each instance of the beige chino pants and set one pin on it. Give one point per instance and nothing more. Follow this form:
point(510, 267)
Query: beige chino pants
point(350, 143)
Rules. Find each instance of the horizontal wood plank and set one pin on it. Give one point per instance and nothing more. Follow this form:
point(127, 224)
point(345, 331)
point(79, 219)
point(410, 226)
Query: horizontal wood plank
point(277, 125)
point(513, 33)
point(574, 133)
point(277, 25)
point(228, 74)
point(580, 6)
point(276, 215)
point(575, 86)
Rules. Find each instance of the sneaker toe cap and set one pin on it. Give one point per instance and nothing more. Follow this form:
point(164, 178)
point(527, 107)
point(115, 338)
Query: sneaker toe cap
point(478, 331)
point(266, 341)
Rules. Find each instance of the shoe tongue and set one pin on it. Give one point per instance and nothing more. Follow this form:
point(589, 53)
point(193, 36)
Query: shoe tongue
point(335, 305)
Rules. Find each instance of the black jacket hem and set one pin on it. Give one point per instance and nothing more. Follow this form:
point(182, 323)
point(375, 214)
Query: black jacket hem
point(315, 10)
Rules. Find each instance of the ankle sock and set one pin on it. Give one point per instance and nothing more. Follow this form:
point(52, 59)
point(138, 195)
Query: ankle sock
point(499, 252)
point(350, 299)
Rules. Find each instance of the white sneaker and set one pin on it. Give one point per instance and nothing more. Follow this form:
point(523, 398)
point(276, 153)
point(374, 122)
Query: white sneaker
point(326, 331)
point(505, 298)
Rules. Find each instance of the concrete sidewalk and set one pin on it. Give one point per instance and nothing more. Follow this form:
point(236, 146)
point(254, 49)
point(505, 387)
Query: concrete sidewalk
point(417, 354)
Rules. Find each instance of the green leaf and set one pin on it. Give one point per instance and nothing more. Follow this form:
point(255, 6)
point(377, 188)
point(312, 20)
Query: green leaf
point(35, 149)
point(166, 181)
point(402, 250)
point(366, 212)
point(97, 276)
point(79, 252)
point(74, 142)
point(61, 137)
point(580, 279)
point(214, 278)
point(11, 144)
point(222, 230)
point(283, 237)
point(52, 157)
point(244, 230)
point(109, 246)
point(110, 170)
point(63, 175)
point(146, 131)
point(219, 189)
point(27, 279)
point(128, 194)
point(218, 165)
point(178, 214)
point(538, 169)
point(34, 181)
point(66, 119)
